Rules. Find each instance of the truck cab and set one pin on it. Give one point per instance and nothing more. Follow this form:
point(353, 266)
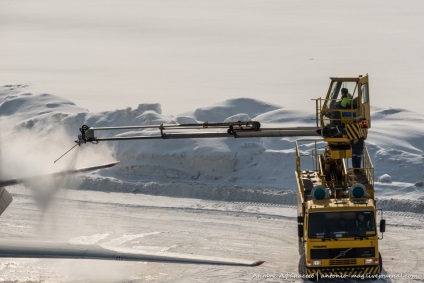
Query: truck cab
point(340, 109)
point(341, 239)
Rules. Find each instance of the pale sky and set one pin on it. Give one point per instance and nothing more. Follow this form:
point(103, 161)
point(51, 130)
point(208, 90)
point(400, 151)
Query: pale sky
point(109, 54)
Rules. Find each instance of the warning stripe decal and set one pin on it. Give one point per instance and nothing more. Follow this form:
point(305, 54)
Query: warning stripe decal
point(343, 271)
point(354, 131)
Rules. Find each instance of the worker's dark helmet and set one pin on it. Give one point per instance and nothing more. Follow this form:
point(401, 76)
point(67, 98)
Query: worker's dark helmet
point(344, 90)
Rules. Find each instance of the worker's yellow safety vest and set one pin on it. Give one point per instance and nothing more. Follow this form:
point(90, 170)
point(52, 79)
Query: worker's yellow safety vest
point(346, 100)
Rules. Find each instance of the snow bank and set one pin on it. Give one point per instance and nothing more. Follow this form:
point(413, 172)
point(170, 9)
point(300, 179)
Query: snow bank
point(221, 111)
point(192, 189)
point(385, 178)
point(196, 167)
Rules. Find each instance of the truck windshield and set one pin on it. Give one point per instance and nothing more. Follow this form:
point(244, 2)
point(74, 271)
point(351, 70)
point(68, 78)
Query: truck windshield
point(336, 92)
point(341, 224)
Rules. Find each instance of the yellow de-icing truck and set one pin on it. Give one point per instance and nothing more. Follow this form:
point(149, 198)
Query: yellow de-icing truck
point(337, 212)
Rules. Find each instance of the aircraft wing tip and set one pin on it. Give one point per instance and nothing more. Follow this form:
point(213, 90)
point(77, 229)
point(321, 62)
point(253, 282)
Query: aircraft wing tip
point(257, 263)
point(112, 164)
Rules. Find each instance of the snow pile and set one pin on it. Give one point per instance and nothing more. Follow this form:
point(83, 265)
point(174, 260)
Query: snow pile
point(419, 184)
point(396, 145)
point(385, 178)
point(202, 168)
point(219, 112)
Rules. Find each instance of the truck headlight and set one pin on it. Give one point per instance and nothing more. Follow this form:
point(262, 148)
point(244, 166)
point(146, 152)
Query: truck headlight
point(316, 263)
point(369, 261)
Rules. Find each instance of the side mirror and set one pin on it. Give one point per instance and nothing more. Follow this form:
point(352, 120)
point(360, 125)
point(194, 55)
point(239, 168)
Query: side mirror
point(383, 225)
point(300, 219)
point(300, 231)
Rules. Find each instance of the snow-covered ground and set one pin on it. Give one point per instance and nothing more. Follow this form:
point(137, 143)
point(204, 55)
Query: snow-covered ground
point(190, 227)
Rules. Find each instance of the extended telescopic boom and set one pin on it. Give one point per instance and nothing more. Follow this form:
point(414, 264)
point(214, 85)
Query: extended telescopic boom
point(240, 129)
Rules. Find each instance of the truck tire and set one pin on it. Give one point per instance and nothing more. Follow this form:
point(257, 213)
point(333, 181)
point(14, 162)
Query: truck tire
point(302, 265)
point(380, 264)
point(302, 268)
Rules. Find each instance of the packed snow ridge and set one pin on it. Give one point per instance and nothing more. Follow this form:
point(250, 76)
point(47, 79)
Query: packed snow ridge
point(38, 128)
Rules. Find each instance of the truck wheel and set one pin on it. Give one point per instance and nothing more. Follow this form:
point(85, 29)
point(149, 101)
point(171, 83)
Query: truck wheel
point(302, 268)
point(380, 264)
point(302, 265)
point(314, 279)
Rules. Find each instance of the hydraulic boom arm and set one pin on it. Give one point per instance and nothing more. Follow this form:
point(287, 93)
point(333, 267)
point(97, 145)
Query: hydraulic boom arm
point(202, 130)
